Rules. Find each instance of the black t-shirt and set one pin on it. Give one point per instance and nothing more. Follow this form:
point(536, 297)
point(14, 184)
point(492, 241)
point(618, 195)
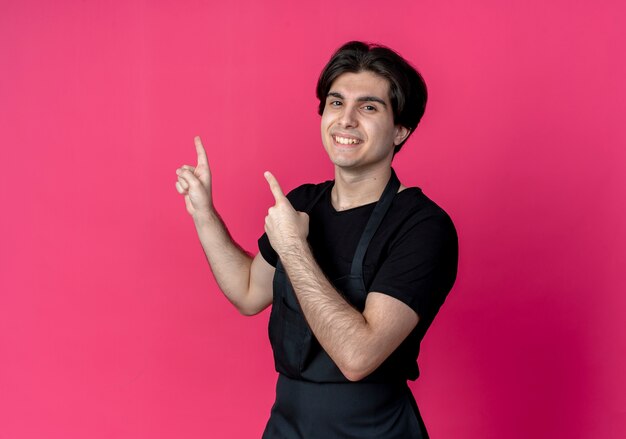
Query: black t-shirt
point(412, 257)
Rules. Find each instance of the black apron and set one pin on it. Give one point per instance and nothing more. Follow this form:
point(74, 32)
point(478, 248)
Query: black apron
point(313, 398)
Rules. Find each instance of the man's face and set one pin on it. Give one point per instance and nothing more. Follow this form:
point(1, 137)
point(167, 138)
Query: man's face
point(358, 131)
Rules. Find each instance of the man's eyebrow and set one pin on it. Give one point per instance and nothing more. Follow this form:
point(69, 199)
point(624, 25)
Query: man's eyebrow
point(360, 99)
point(371, 99)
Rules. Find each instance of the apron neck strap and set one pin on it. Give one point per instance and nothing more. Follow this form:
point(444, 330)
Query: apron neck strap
point(376, 218)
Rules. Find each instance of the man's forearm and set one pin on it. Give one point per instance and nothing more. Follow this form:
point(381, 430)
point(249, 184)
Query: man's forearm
point(229, 262)
point(342, 330)
point(357, 342)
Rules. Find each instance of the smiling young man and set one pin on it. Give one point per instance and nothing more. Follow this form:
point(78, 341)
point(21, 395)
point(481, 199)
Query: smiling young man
point(355, 268)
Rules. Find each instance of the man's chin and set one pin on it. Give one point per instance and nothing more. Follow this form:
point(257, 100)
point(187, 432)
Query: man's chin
point(344, 163)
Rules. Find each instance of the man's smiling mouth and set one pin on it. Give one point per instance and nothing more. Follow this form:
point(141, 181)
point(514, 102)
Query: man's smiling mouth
point(346, 140)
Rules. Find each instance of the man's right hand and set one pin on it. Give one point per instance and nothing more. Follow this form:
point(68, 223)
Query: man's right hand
point(195, 184)
point(245, 281)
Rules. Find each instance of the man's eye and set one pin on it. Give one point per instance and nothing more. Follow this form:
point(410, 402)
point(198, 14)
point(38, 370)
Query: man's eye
point(335, 103)
point(369, 108)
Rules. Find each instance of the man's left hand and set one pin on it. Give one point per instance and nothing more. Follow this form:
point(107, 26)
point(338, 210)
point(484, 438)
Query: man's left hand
point(286, 228)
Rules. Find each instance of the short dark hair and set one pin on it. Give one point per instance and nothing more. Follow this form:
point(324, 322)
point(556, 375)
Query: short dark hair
point(407, 89)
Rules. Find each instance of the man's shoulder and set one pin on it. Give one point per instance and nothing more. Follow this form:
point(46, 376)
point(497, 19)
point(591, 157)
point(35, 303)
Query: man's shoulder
point(416, 201)
point(413, 207)
point(301, 196)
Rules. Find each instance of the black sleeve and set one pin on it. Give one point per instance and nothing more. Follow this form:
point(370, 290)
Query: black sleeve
point(266, 250)
point(421, 265)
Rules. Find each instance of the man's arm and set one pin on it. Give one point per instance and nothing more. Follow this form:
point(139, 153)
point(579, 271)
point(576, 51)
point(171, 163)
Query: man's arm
point(245, 281)
point(357, 342)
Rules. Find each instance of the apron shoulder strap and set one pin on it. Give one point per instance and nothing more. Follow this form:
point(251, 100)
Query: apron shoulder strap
point(376, 218)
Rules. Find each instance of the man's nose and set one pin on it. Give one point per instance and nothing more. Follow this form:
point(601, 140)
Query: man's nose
point(349, 117)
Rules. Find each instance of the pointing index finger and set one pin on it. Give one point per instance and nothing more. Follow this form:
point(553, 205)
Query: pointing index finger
point(274, 187)
point(202, 159)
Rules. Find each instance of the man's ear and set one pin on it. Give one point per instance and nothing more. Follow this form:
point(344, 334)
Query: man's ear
point(401, 134)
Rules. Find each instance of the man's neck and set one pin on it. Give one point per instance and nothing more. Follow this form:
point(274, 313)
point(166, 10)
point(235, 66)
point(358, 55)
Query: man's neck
point(357, 188)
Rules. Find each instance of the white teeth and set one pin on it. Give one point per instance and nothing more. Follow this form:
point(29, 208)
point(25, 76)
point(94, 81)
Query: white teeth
point(345, 141)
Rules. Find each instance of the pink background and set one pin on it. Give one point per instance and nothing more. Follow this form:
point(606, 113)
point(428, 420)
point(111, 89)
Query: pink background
point(111, 325)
